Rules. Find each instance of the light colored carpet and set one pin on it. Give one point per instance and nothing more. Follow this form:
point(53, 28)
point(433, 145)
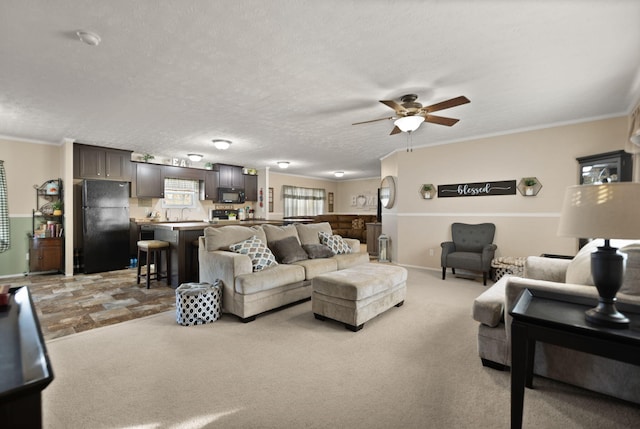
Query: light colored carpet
point(414, 366)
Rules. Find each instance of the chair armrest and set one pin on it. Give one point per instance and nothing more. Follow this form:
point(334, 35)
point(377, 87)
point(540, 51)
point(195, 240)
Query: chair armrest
point(549, 269)
point(447, 247)
point(488, 307)
point(225, 266)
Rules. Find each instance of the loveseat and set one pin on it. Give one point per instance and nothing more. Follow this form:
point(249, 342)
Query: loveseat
point(570, 277)
point(253, 284)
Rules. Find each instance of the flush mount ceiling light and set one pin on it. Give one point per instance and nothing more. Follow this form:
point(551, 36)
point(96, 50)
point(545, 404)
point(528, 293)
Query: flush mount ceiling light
point(409, 123)
point(283, 164)
point(339, 173)
point(195, 157)
point(88, 37)
point(221, 144)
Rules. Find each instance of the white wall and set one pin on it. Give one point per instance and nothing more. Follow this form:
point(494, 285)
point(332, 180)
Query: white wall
point(524, 225)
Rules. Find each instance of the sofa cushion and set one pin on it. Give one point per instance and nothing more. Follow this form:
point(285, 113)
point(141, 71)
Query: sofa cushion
point(308, 232)
point(287, 250)
point(270, 278)
point(275, 233)
point(260, 255)
point(579, 269)
point(334, 242)
point(315, 267)
point(317, 251)
point(220, 238)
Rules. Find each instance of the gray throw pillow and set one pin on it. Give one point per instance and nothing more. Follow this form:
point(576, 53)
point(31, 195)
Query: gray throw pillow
point(288, 250)
point(317, 251)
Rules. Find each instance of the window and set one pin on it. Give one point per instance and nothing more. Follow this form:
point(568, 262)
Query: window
point(180, 193)
point(303, 201)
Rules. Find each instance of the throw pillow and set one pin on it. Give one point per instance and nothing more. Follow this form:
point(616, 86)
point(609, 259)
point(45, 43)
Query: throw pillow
point(317, 251)
point(260, 255)
point(334, 242)
point(288, 250)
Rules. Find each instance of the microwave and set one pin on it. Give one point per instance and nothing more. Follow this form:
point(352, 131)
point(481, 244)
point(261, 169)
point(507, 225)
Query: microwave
point(230, 195)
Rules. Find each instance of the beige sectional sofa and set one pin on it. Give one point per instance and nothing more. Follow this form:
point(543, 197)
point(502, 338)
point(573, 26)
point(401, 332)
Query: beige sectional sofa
point(247, 292)
point(570, 277)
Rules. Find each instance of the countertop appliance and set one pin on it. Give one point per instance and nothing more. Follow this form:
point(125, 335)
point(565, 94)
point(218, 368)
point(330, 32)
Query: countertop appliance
point(105, 225)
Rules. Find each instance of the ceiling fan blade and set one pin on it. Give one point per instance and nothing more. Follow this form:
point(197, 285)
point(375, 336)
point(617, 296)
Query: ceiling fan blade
point(395, 106)
point(440, 120)
point(395, 130)
point(446, 104)
point(373, 120)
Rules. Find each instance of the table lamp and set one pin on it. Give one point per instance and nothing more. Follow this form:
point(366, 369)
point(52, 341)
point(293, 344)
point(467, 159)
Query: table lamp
point(606, 211)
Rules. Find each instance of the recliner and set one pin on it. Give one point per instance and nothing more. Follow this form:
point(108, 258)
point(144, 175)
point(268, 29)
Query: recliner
point(472, 249)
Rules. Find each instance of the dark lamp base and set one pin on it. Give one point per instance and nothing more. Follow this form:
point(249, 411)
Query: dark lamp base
point(606, 314)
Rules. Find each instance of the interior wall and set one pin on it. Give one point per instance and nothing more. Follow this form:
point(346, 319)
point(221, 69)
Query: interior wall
point(26, 164)
point(357, 196)
point(524, 225)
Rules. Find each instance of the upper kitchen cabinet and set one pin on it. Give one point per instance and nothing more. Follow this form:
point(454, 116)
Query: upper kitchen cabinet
point(211, 179)
point(95, 162)
point(251, 187)
point(149, 181)
point(230, 176)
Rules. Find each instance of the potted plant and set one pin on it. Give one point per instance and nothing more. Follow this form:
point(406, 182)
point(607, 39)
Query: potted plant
point(57, 208)
point(426, 190)
point(208, 166)
point(147, 156)
point(529, 183)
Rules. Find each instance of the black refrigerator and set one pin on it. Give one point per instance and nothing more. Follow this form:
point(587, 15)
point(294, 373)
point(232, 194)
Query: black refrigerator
point(105, 225)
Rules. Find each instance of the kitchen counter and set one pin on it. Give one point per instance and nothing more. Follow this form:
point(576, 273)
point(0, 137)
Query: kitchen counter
point(181, 236)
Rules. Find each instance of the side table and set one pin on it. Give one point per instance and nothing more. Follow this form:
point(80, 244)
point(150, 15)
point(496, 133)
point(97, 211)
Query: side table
point(559, 319)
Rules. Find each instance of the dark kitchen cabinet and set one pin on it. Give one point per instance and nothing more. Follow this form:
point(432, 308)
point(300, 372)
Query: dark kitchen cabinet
point(251, 187)
point(211, 180)
point(149, 181)
point(95, 162)
point(230, 176)
point(45, 254)
point(175, 172)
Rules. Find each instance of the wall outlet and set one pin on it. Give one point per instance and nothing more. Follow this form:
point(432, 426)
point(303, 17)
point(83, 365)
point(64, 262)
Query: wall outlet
point(431, 252)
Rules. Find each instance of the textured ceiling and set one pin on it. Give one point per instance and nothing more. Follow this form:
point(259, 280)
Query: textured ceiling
point(284, 80)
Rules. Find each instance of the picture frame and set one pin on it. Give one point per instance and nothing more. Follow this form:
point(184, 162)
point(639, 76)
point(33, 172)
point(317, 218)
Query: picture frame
point(270, 200)
point(330, 202)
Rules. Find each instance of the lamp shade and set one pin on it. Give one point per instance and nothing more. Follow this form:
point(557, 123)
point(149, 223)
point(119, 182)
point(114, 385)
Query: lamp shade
point(409, 123)
point(606, 211)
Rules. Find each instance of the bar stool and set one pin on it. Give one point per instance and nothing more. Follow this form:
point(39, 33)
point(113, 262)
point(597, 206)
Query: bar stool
point(195, 268)
point(153, 250)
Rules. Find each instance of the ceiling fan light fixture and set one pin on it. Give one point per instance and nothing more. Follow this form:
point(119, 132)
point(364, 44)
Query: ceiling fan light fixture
point(408, 124)
point(283, 164)
point(221, 144)
point(195, 157)
point(339, 173)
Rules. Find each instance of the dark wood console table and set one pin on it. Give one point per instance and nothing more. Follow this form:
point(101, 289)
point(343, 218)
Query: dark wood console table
point(559, 319)
point(25, 369)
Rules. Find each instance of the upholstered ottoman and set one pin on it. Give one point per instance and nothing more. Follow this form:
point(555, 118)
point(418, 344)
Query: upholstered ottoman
point(198, 303)
point(358, 294)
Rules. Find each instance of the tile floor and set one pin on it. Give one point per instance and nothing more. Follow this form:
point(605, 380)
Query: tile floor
point(66, 305)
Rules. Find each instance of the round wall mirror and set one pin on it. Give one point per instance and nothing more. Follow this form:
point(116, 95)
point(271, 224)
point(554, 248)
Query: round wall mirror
point(388, 192)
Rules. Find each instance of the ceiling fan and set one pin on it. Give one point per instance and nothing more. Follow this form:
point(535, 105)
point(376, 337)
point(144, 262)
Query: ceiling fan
point(410, 114)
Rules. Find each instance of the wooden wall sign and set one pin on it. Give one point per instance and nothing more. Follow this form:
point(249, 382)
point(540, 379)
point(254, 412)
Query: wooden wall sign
point(480, 189)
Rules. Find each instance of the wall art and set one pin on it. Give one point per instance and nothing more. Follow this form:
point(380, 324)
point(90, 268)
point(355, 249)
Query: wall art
point(477, 189)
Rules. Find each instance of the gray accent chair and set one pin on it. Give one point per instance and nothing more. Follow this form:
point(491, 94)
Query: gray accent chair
point(472, 249)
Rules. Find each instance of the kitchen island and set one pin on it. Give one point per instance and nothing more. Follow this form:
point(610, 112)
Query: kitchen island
point(180, 236)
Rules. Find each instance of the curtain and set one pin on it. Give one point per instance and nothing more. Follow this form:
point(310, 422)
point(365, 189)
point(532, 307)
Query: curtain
point(5, 233)
point(302, 201)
